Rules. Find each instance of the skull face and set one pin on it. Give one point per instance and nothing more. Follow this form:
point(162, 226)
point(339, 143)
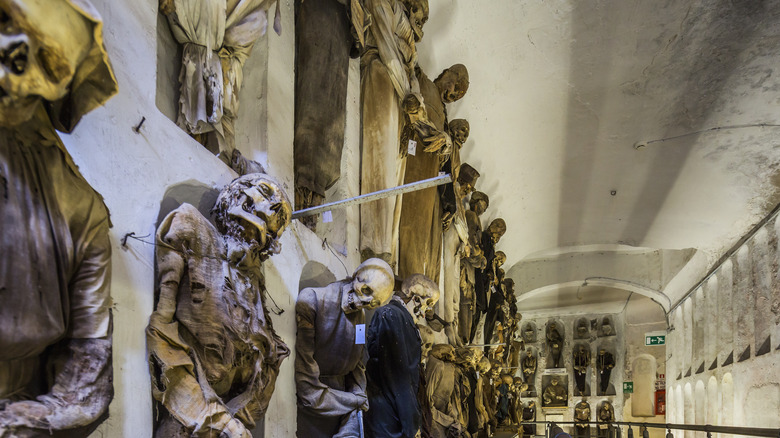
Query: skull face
point(371, 287)
point(459, 128)
point(420, 294)
point(417, 11)
point(468, 357)
point(499, 259)
point(496, 229)
point(41, 44)
point(443, 352)
point(479, 202)
point(484, 365)
point(427, 341)
point(254, 211)
point(453, 83)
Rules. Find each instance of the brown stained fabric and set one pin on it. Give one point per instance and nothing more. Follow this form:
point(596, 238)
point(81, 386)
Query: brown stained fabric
point(214, 362)
point(442, 378)
point(420, 229)
point(322, 46)
point(381, 165)
point(330, 375)
point(54, 281)
point(387, 77)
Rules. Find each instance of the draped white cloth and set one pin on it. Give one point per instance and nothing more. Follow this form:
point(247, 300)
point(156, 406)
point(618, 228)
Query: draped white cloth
point(217, 37)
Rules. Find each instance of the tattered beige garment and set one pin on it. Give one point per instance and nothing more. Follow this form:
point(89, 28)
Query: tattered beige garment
point(214, 362)
point(55, 273)
point(387, 77)
point(217, 37)
point(330, 374)
point(442, 378)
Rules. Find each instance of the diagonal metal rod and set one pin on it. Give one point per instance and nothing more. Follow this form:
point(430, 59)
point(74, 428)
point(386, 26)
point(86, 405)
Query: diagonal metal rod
point(368, 197)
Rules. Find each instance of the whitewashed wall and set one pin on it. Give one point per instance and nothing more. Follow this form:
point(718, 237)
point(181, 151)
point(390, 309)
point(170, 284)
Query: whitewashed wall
point(134, 172)
point(723, 359)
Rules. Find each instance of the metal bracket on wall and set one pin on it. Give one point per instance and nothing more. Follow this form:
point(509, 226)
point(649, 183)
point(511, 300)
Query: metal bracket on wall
point(368, 197)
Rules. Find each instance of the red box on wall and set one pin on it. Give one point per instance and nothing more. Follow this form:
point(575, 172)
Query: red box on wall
point(660, 402)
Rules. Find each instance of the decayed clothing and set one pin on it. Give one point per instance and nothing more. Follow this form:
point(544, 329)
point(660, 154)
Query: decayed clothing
point(392, 372)
point(217, 37)
point(482, 280)
point(329, 371)
point(444, 395)
point(214, 361)
point(420, 238)
point(604, 363)
point(387, 77)
point(529, 414)
point(55, 275)
point(322, 48)
point(467, 305)
point(581, 363)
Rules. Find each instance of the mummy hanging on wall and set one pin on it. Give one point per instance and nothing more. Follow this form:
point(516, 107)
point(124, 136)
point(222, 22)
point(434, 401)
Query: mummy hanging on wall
point(216, 37)
point(213, 353)
point(55, 267)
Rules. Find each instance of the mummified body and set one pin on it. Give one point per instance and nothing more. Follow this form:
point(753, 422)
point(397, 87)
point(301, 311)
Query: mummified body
point(330, 374)
point(213, 352)
point(55, 329)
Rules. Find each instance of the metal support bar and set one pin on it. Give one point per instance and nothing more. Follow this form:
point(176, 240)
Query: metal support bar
point(368, 197)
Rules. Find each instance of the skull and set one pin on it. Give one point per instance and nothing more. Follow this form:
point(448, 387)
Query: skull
point(453, 83)
point(420, 294)
point(499, 259)
point(467, 179)
point(443, 352)
point(484, 365)
point(371, 286)
point(253, 210)
point(468, 357)
point(42, 43)
point(459, 130)
point(417, 11)
point(479, 202)
point(496, 229)
point(427, 338)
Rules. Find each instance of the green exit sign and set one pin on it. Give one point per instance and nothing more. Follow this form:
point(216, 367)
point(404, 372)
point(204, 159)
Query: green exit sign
point(655, 339)
point(628, 387)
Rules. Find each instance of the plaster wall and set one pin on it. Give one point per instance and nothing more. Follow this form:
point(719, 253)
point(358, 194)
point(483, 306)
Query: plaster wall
point(615, 344)
point(734, 382)
point(136, 172)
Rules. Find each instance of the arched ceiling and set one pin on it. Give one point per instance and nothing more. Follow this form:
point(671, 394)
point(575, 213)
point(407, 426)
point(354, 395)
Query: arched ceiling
point(567, 102)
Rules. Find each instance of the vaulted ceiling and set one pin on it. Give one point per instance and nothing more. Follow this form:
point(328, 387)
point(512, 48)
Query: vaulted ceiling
point(630, 140)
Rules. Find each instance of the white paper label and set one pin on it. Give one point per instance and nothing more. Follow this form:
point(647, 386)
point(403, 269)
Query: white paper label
point(412, 147)
point(442, 173)
point(327, 217)
point(360, 334)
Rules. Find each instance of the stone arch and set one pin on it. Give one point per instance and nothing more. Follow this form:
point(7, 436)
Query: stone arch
point(727, 400)
point(700, 406)
point(712, 401)
point(689, 410)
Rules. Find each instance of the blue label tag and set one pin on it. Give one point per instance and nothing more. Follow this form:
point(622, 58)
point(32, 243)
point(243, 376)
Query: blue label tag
point(360, 334)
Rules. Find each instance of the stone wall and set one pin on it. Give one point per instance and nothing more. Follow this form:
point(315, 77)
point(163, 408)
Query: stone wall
point(142, 174)
point(723, 358)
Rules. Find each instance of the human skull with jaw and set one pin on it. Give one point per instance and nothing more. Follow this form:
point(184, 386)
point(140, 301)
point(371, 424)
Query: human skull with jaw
point(427, 341)
point(496, 229)
point(453, 83)
point(443, 352)
point(484, 365)
point(39, 56)
point(459, 130)
point(419, 293)
point(468, 358)
point(252, 211)
point(371, 286)
point(417, 11)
